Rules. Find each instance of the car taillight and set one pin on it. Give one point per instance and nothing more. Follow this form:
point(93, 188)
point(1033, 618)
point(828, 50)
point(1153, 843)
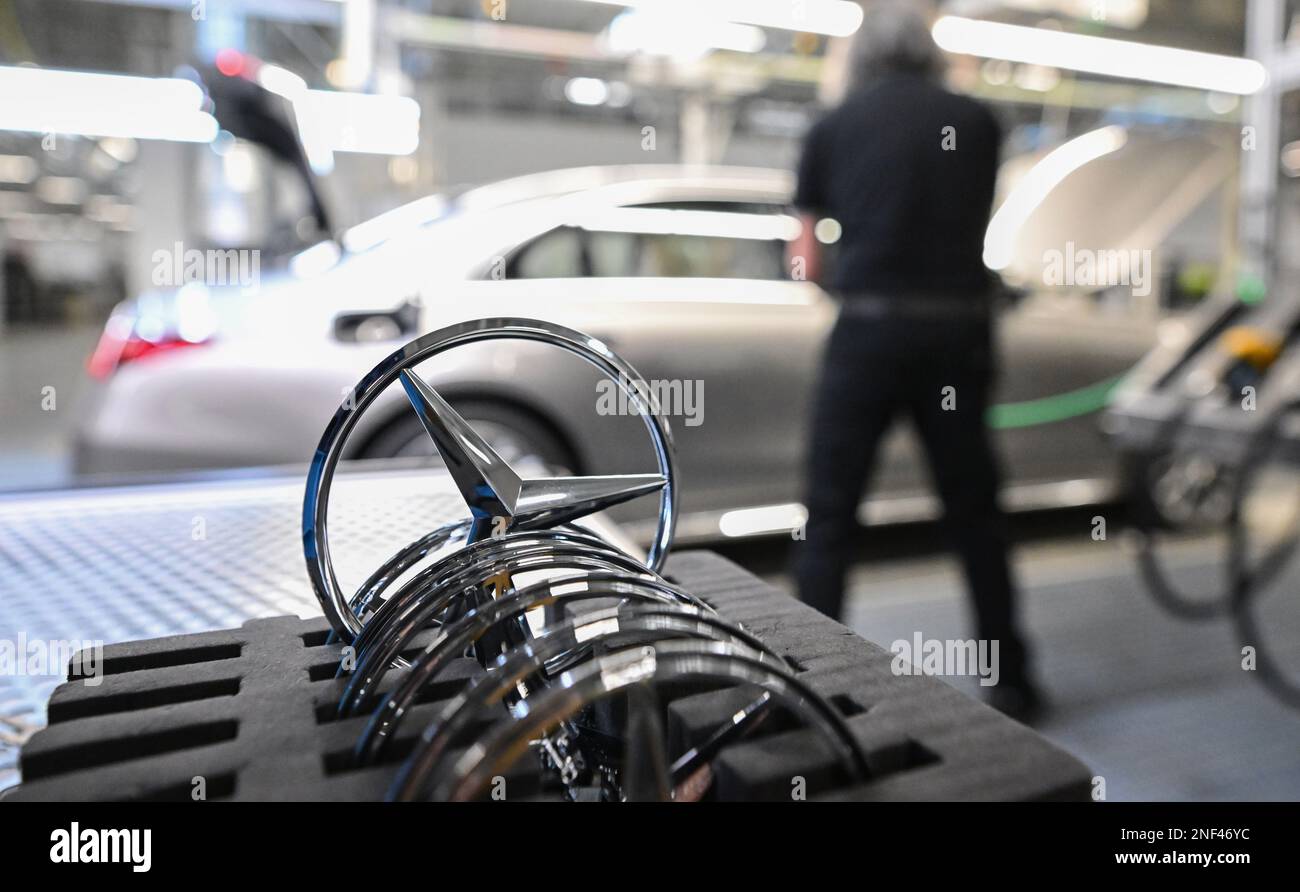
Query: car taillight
point(114, 351)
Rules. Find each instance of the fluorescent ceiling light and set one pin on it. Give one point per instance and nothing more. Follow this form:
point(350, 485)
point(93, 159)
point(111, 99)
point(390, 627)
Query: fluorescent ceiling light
point(333, 121)
point(661, 33)
point(1037, 183)
point(1115, 13)
point(838, 18)
point(1100, 55)
point(373, 123)
point(45, 100)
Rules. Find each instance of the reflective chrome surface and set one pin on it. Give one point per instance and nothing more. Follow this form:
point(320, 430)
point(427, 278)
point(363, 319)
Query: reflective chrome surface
point(538, 504)
point(552, 647)
point(466, 776)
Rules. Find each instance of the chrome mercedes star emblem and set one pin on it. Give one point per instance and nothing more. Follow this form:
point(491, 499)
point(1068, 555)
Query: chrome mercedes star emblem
point(548, 660)
point(499, 500)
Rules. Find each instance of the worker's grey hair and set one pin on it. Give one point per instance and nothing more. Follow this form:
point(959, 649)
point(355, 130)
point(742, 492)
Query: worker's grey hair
point(895, 39)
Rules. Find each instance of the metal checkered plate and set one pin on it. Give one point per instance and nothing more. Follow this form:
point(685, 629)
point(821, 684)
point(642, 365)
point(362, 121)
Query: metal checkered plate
point(120, 564)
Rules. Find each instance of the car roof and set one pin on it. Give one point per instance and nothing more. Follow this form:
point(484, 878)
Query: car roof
point(722, 180)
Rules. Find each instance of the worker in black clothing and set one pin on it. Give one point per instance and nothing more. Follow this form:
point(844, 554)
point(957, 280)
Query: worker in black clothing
point(907, 169)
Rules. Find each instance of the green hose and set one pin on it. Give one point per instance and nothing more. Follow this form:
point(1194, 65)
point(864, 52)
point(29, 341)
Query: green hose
point(1050, 409)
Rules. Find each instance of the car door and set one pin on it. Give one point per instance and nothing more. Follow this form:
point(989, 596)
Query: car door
point(704, 303)
point(1060, 359)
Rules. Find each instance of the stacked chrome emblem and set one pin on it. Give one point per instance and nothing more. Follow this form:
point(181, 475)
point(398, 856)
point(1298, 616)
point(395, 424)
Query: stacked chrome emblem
point(614, 629)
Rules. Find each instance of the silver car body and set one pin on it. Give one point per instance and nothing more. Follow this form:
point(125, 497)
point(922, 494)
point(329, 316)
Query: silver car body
point(742, 352)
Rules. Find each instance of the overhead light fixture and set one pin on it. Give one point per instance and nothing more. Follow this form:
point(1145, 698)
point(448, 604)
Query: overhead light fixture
point(18, 169)
point(403, 169)
point(372, 123)
point(46, 100)
point(586, 91)
point(334, 121)
point(61, 190)
point(593, 91)
point(1291, 159)
point(1037, 183)
point(660, 33)
point(108, 209)
point(837, 18)
point(121, 150)
point(1115, 13)
point(239, 168)
point(1036, 78)
point(1100, 55)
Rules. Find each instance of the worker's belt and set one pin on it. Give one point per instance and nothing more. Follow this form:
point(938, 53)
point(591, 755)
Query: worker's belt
point(914, 306)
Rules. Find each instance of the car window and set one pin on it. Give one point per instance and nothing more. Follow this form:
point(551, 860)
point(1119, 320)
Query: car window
point(694, 256)
point(699, 240)
point(554, 255)
point(613, 253)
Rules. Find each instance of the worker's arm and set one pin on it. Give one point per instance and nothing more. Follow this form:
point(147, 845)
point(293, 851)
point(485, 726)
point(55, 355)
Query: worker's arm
point(803, 255)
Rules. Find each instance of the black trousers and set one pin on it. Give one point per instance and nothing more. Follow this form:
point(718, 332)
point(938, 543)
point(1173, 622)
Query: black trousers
point(938, 370)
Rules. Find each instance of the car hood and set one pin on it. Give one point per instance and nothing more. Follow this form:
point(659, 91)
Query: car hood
point(1129, 198)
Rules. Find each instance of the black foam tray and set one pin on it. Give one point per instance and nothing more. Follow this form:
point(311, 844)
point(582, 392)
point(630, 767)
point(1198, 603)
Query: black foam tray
point(250, 712)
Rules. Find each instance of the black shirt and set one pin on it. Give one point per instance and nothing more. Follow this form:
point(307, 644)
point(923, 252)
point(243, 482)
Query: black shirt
point(913, 213)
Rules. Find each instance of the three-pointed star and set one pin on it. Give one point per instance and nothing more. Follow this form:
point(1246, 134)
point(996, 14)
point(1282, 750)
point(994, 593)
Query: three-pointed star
point(494, 491)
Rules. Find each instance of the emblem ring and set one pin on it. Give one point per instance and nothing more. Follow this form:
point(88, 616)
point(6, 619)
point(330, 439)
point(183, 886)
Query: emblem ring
point(315, 507)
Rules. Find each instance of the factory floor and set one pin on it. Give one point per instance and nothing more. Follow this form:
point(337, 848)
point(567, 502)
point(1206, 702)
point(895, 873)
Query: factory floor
point(1159, 707)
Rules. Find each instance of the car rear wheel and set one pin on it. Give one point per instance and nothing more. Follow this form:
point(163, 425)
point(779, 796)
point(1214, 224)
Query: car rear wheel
point(526, 443)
